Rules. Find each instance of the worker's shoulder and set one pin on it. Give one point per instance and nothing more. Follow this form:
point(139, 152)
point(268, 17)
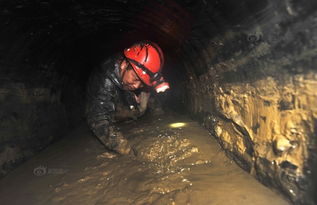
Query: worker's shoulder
point(106, 74)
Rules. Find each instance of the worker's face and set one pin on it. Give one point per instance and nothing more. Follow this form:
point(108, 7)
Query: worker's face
point(130, 79)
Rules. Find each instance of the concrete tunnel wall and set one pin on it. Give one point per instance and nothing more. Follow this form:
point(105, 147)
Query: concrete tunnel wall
point(245, 69)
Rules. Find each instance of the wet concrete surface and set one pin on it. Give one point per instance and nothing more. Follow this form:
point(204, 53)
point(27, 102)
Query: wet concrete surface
point(181, 165)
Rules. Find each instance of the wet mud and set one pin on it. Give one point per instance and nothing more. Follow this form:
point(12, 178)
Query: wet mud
point(172, 164)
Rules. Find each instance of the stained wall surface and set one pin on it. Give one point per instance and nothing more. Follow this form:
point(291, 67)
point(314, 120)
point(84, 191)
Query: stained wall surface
point(254, 87)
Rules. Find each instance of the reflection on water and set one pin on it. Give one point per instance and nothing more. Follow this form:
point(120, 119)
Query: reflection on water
point(177, 124)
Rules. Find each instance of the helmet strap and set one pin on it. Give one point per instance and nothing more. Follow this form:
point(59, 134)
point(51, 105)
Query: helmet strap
point(145, 69)
point(153, 76)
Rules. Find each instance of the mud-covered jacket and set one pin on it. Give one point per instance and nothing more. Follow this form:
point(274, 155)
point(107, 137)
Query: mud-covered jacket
point(104, 93)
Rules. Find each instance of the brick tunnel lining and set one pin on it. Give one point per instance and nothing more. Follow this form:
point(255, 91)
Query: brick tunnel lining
point(48, 49)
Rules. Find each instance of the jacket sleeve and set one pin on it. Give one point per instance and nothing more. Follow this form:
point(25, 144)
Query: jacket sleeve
point(100, 104)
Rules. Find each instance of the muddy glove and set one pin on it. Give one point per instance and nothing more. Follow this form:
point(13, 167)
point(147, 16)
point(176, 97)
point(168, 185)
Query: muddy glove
point(117, 142)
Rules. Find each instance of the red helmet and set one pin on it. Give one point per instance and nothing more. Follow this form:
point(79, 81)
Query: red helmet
point(147, 61)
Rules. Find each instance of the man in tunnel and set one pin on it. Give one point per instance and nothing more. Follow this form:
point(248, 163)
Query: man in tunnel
point(121, 84)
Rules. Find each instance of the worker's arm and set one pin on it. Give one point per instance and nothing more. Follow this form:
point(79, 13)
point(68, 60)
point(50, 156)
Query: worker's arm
point(134, 106)
point(100, 108)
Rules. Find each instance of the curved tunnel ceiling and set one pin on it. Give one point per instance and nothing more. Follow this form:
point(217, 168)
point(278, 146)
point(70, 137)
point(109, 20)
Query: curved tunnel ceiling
point(44, 32)
point(74, 33)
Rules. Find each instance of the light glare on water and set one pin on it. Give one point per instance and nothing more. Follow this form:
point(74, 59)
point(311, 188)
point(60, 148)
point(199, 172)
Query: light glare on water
point(177, 125)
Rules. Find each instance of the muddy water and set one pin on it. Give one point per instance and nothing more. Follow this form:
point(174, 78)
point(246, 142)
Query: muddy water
point(181, 165)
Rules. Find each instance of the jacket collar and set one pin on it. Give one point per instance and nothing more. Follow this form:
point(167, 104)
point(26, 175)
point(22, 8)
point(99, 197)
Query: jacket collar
point(113, 71)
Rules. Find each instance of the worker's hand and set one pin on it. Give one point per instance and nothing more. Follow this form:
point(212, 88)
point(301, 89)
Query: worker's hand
point(123, 146)
point(117, 142)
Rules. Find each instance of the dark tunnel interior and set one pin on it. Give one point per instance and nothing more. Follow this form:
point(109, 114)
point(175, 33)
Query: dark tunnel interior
point(245, 70)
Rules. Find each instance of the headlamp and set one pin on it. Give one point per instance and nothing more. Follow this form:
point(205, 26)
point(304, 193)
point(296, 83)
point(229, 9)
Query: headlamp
point(159, 84)
point(161, 87)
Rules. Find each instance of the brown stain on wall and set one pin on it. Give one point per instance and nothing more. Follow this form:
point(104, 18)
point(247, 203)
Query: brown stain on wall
point(267, 125)
point(278, 133)
point(255, 91)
